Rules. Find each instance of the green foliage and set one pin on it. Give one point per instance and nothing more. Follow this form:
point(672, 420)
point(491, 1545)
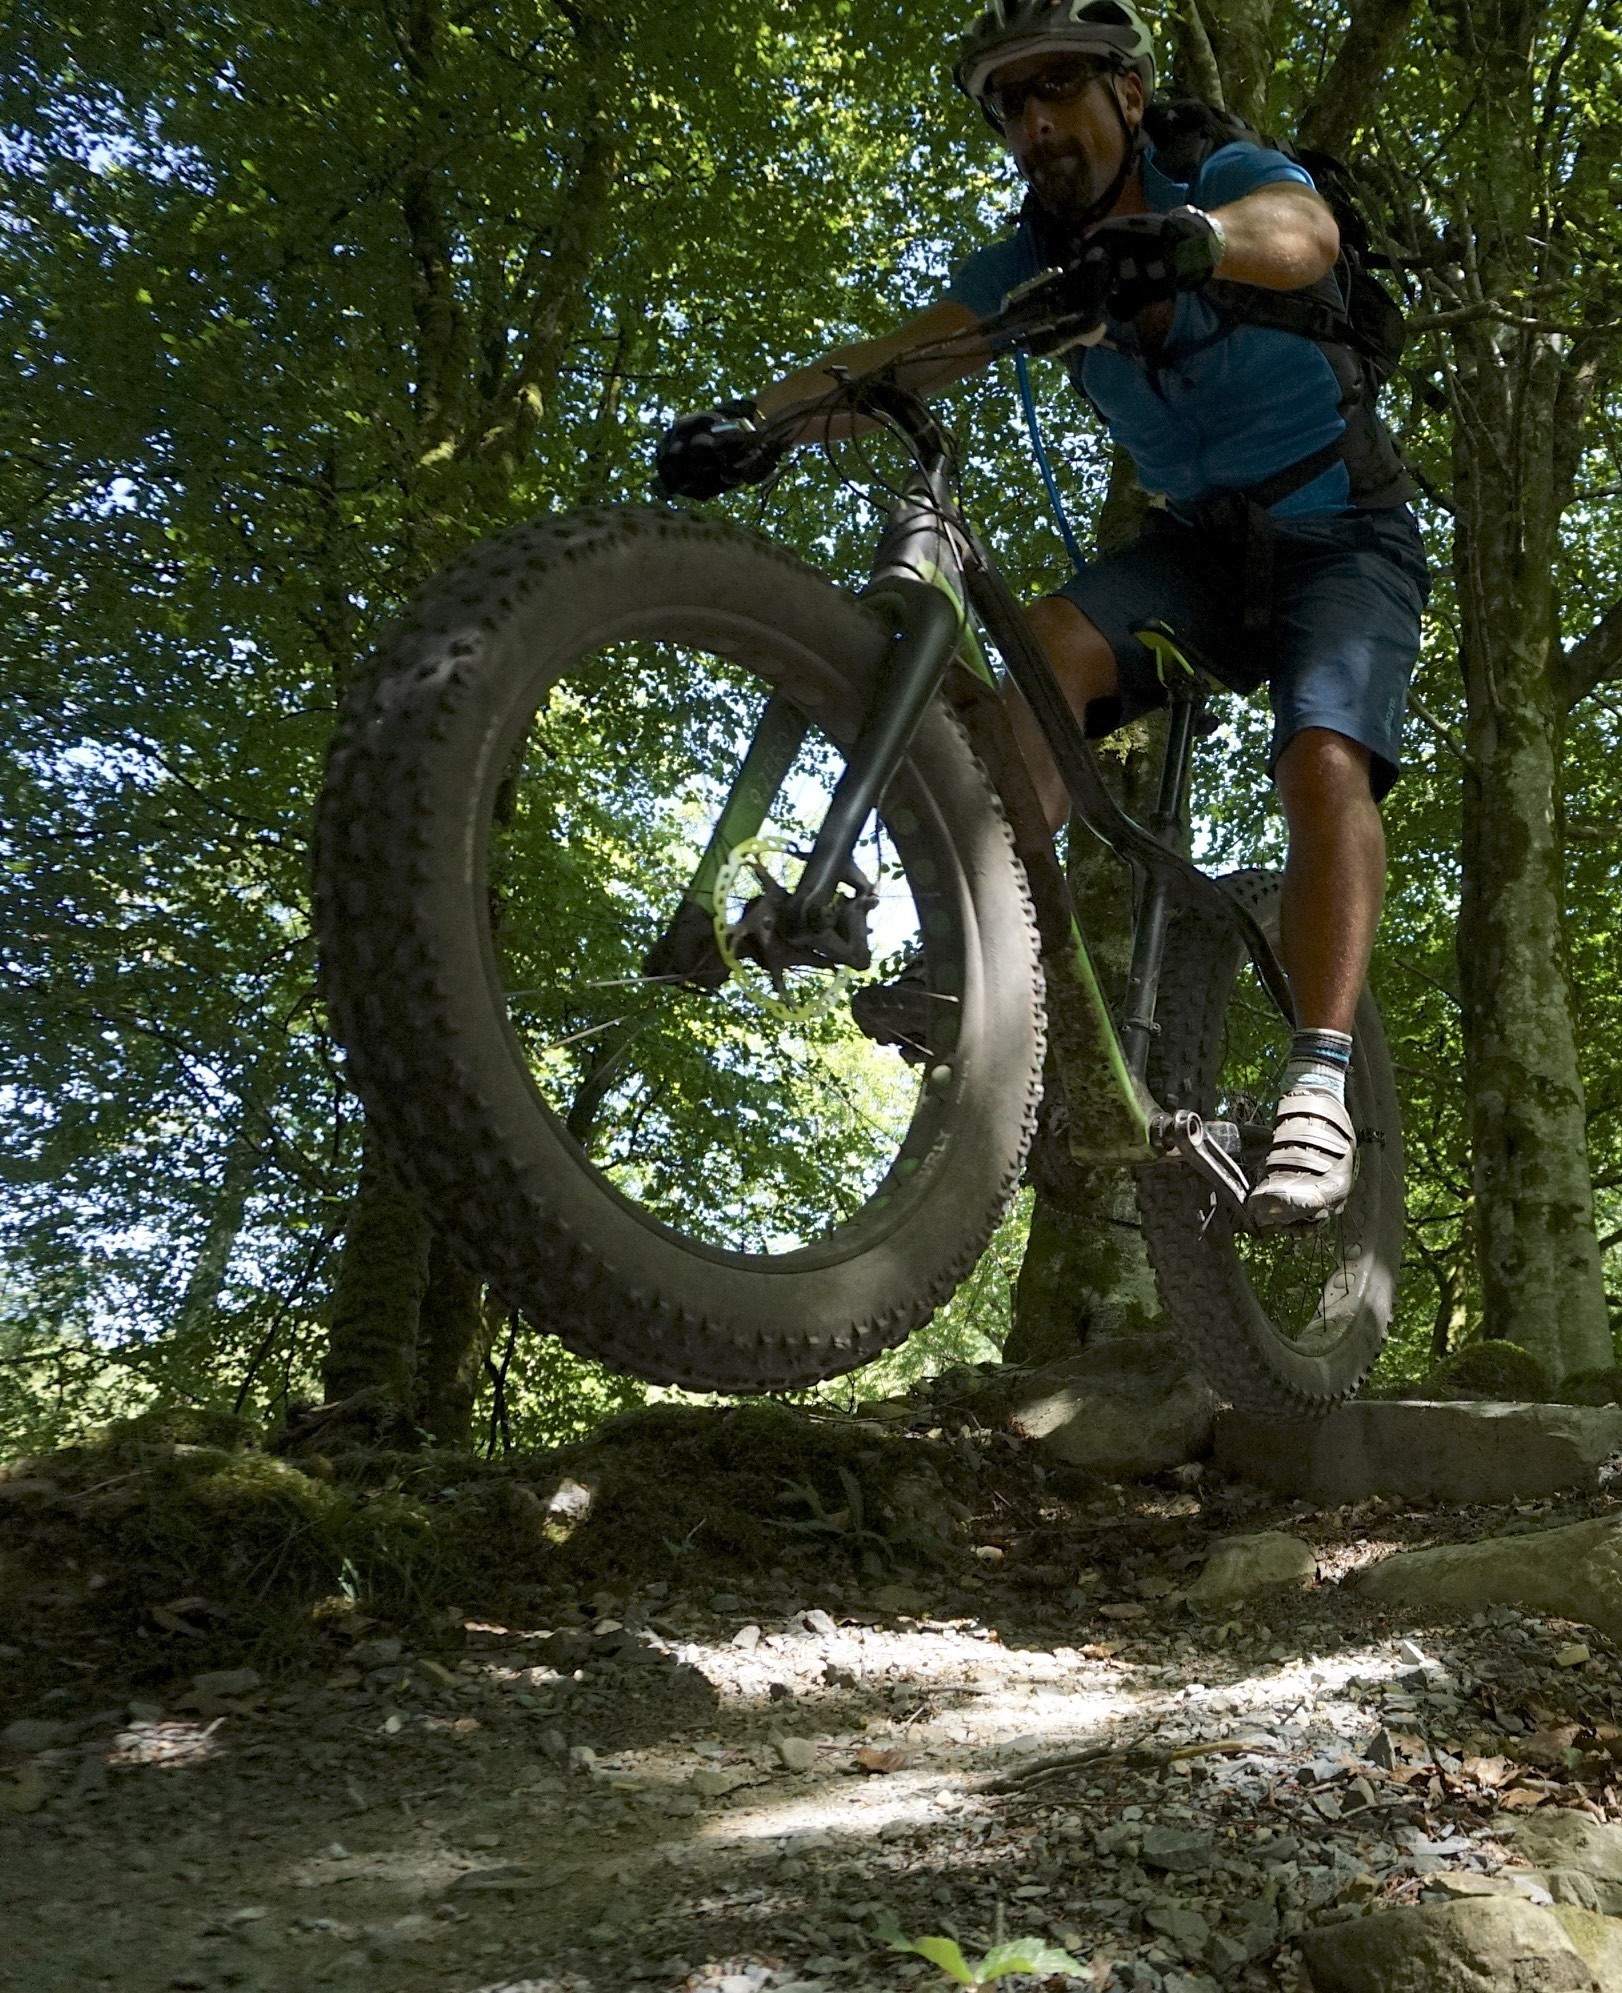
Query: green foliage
point(1018, 1955)
point(304, 306)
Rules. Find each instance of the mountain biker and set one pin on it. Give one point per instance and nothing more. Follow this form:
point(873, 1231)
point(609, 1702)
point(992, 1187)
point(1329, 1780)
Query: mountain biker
point(1284, 546)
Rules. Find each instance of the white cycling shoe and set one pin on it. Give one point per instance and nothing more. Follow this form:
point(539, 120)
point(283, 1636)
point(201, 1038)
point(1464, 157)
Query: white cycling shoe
point(1308, 1175)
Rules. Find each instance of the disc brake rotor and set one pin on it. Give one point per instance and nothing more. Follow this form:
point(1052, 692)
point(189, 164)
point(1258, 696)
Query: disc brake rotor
point(746, 944)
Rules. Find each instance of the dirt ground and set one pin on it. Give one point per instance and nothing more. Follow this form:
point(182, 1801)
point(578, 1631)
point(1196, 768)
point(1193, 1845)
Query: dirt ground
point(665, 1785)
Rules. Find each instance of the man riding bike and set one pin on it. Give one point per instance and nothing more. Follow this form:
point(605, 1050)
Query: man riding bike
point(1284, 546)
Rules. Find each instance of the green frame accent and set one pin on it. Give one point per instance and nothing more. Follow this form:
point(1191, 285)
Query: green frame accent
point(765, 768)
point(1110, 1111)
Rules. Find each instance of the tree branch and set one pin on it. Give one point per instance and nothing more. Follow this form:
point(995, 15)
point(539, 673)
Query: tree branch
point(1350, 90)
point(1592, 660)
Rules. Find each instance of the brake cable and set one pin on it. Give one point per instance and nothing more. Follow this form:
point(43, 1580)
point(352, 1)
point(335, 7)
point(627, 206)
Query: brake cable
point(1044, 463)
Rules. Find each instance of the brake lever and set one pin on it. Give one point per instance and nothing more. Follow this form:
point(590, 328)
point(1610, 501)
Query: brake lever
point(1045, 315)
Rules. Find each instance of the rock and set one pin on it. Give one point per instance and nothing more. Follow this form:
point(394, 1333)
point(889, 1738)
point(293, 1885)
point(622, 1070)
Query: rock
point(799, 1754)
point(1573, 1573)
point(566, 1650)
point(1125, 1407)
point(1241, 1566)
point(1490, 1368)
point(1577, 1858)
point(1178, 1850)
point(382, 1653)
point(817, 1623)
point(747, 1638)
point(1482, 1944)
point(571, 1500)
point(900, 1598)
point(1180, 1922)
point(145, 1712)
point(725, 1602)
point(33, 1733)
point(243, 1681)
point(1427, 1452)
point(1599, 1939)
point(1573, 1655)
point(25, 1795)
point(717, 1784)
point(918, 1511)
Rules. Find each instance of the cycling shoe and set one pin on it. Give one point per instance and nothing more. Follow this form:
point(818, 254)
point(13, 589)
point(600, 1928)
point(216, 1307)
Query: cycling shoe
point(1309, 1169)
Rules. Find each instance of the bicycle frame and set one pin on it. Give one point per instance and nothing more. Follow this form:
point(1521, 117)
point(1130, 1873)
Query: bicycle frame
point(929, 571)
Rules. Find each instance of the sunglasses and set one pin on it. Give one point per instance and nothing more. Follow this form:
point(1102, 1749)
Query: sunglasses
point(1058, 82)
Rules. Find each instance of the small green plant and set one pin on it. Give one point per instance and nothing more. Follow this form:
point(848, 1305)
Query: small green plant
point(1018, 1955)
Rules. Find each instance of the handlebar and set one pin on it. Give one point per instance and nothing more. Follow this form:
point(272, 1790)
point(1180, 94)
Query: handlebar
point(1052, 312)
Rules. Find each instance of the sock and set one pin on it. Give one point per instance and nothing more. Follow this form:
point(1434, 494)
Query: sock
point(1318, 1061)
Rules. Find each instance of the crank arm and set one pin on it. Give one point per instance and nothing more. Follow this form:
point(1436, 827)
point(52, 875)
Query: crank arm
point(1189, 1136)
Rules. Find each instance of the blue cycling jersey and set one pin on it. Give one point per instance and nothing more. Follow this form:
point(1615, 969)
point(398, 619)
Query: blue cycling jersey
point(1222, 405)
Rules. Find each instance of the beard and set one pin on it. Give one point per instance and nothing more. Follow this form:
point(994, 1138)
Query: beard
point(1064, 180)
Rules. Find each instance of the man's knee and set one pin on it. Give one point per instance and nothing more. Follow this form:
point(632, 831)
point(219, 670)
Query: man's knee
point(1320, 764)
point(1077, 649)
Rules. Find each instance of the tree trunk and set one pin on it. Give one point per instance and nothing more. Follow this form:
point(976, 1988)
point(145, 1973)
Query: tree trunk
point(452, 1337)
point(1518, 398)
point(1541, 1276)
point(1084, 1271)
point(382, 1276)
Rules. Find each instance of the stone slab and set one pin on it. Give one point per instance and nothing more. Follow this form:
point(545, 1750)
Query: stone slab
point(1574, 1572)
point(1469, 1452)
point(1124, 1407)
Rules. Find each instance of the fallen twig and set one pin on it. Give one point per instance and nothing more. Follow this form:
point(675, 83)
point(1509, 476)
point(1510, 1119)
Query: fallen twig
point(1133, 1751)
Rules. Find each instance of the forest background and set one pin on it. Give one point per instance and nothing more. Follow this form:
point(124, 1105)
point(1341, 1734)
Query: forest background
point(303, 300)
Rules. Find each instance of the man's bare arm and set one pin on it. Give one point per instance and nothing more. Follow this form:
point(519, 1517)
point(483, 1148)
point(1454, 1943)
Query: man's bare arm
point(1282, 237)
point(807, 385)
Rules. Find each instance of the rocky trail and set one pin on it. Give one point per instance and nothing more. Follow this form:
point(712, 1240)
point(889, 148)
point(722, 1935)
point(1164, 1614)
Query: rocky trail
point(1164, 1725)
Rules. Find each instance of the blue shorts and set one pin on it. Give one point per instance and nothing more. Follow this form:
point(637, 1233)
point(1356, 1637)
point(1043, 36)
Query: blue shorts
point(1337, 652)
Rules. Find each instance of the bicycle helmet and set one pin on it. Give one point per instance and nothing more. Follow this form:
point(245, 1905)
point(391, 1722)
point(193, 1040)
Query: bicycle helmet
point(1010, 29)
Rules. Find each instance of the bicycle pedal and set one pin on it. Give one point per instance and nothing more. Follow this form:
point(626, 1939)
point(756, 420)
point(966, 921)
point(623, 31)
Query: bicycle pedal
point(1210, 1148)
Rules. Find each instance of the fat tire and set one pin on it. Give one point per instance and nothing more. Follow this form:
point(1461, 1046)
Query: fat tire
point(411, 982)
point(1201, 1276)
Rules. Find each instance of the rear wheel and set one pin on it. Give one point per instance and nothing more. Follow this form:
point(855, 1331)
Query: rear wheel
point(1284, 1325)
point(726, 1188)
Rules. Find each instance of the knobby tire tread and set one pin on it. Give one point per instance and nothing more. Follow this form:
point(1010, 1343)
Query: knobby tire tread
point(1202, 1284)
point(389, 987)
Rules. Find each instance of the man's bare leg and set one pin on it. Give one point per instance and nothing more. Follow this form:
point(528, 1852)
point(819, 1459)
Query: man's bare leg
point(1084, 665)
point(1334, 879)
point(1334, 884)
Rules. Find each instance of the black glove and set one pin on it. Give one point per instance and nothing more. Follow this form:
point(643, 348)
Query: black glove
point(701, 456)
point(1150, 258)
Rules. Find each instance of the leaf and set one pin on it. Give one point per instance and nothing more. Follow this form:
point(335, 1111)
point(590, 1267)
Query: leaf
point(173, 1623)
point(872, 1759)
point(1026, 1955)
point(1521, 1799)
point(944, 1952)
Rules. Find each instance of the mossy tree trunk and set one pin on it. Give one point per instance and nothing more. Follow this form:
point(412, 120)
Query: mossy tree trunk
point(382, 1277)
point(483, 377)
point(453, 1336)
point(1085, 1272)
point(1519, 394)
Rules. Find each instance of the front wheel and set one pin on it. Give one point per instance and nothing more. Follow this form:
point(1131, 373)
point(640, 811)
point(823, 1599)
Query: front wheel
point(725, 1188)
point(1284, 1325)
